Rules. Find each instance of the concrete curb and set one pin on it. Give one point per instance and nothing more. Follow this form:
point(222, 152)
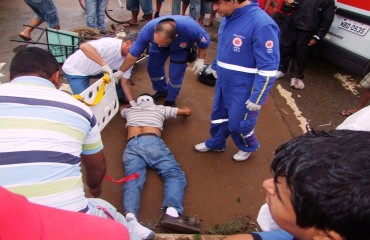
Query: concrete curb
point(170, 236)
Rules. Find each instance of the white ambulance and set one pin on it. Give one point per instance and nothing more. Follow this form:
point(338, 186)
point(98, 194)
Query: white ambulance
point(348, 41)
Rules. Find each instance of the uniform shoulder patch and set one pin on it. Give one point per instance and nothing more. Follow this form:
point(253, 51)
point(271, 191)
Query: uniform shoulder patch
point(269, 44)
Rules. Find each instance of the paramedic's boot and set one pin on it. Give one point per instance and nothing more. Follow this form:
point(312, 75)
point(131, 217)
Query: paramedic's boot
point(159, 95)
point(169, 103)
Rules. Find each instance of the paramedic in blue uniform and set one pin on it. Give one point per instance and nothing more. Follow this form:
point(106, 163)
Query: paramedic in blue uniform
point(246, 64)
point(171, 35)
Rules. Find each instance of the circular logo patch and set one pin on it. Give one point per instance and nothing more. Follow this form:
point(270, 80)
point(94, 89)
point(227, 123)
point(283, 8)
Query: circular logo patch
point(269, 44)
point(237, 42)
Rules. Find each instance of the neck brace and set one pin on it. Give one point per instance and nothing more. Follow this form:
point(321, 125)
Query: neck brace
point(145, 101)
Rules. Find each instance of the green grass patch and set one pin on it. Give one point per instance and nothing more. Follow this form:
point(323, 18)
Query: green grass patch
point(243, 224)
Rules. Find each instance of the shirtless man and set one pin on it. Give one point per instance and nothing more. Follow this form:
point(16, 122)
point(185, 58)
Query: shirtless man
point(145, 148)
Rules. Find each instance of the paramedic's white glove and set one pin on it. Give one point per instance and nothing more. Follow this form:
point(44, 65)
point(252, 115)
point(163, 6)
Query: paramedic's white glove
point(117, 76)
point(214, 73)
point(108, 70)
point(252, 106)
point(133, 103)
point(198, 65)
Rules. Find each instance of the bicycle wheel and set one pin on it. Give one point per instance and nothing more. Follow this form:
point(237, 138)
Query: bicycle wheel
point(82, 4)
point(116, 11)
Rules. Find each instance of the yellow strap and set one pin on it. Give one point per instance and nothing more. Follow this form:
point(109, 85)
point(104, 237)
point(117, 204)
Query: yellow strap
point(99, 96)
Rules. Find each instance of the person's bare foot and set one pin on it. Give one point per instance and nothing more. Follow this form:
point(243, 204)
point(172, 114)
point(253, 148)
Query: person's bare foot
point(131, 23)
point(24, 37)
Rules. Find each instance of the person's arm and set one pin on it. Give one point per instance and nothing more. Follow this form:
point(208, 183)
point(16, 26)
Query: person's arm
point(91, 53)
point(267, 5)
point(129, 62)
point(326, 16)
point(202, 52)
point(199, 62)
point(95, 168)
point(203, 41)
point(127, 89)
point(183, 111)
point(266, 53)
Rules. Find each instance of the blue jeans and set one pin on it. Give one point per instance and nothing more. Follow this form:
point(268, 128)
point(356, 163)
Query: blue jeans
point(79, 83)
point(150, 151)
point(95, 13)
point(197, 7)
point(176, 7)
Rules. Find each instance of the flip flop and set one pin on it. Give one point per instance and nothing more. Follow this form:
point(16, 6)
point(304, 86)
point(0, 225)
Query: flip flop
point(27, 39)
point(130, 24)
point(208, 24)
point(346, 113)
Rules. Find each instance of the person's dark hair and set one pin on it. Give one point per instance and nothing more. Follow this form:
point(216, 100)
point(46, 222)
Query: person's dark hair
point(33, 61)
point(328, 175)
point(145, 94)
point(167, 27)
point(131, 37)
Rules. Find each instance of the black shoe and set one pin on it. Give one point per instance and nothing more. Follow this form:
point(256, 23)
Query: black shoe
point(169, 103)
point(102, 31)
point(178, 224)
point(156, 14)
point(122, 100)
point(159, 95)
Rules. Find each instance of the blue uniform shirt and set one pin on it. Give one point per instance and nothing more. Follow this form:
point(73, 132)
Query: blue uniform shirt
point(248, 51)
point(274, 235)
point(188, 33)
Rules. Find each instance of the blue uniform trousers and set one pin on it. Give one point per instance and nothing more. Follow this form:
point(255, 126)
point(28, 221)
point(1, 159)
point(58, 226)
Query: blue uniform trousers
point(156, 63)
point(230, 117)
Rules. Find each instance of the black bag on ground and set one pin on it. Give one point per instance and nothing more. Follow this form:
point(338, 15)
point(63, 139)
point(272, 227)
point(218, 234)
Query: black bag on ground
point(205, 76)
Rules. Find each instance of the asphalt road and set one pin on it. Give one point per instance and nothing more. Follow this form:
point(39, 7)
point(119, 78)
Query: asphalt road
point(218, 188)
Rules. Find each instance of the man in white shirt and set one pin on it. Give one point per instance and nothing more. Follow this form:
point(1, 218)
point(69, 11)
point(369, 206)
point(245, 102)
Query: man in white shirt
point(96, 57)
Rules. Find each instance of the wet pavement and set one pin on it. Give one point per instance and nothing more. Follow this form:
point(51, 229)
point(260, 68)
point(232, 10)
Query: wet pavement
point(218, 189)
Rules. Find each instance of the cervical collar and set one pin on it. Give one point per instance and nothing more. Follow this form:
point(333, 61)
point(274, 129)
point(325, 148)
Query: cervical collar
point(145, 101)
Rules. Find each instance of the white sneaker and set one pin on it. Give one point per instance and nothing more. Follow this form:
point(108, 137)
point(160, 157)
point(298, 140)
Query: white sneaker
point(241, 156)
point(201, 147)
point(279, 74)
point(296, 83)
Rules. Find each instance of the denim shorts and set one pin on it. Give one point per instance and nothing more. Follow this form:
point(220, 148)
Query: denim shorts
point(198, 7)
point(134, 5)
point(45, 11)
